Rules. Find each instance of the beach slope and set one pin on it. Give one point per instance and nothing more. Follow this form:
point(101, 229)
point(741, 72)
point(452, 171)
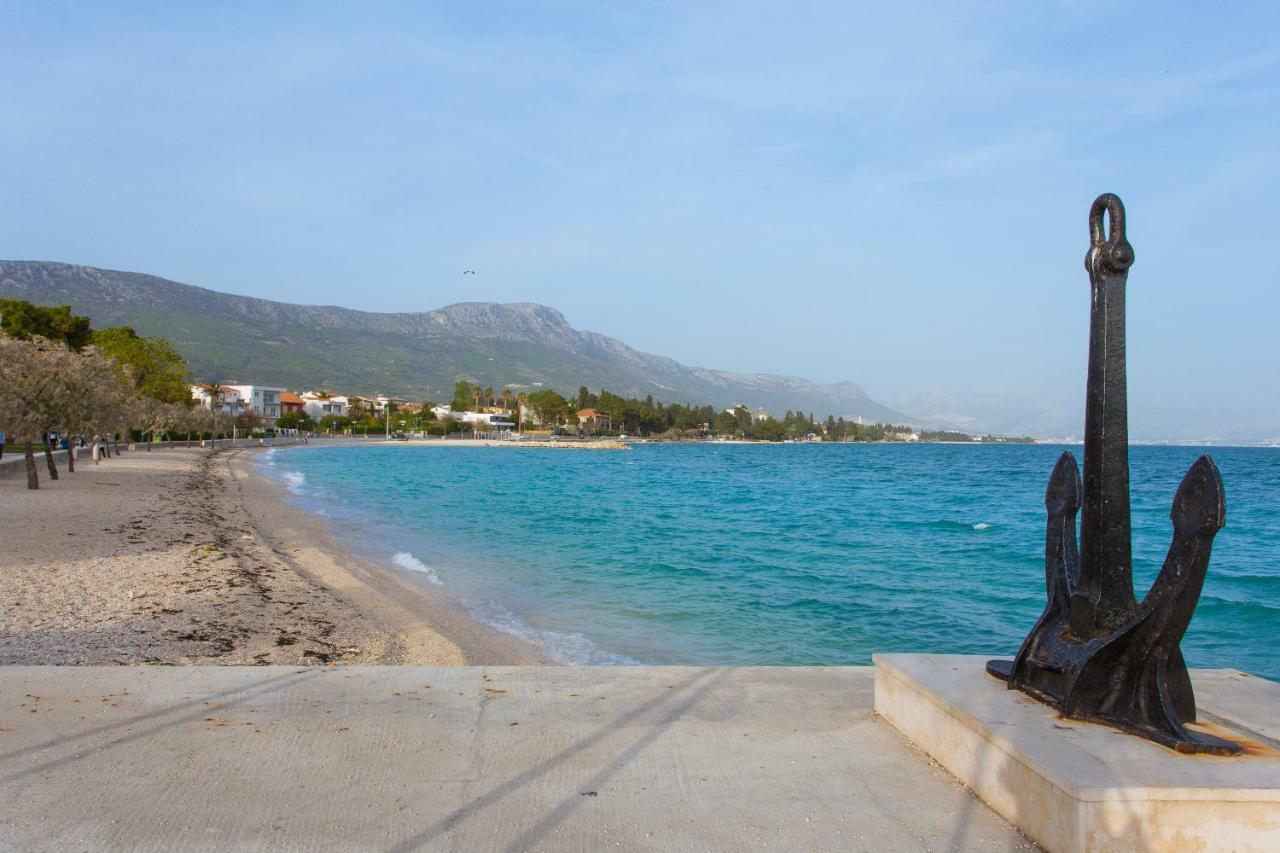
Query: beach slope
point(186, 556)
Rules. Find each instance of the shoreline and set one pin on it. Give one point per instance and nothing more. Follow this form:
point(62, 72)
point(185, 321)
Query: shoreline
point(381, 593)
point(191, 556)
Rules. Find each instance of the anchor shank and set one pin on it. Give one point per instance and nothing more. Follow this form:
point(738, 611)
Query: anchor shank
point(1104, 596)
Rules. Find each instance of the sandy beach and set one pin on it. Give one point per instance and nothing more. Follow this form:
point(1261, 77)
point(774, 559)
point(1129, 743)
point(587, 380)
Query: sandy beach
point(188, 556)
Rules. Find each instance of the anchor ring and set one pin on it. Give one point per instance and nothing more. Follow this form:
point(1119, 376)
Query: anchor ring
point(1110, 252)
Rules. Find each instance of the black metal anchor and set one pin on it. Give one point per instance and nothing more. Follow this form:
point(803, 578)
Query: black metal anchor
point(1096, 654)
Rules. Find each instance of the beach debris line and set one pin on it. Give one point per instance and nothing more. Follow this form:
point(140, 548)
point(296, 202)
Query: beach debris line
point(1096, 653)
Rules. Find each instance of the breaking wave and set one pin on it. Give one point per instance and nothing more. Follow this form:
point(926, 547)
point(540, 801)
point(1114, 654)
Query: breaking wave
point(294, 481)
point(407, 561)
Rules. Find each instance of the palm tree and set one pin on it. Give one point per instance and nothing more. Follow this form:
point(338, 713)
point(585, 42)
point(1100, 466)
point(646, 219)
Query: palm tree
point(521, 399)
point(214, 390)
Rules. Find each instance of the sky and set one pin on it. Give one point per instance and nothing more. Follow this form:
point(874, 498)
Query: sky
point(894, 194)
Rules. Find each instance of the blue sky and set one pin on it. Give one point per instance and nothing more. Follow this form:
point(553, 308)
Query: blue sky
point(894, 195)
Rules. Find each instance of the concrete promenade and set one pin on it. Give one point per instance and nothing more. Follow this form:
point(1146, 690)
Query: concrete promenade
point(468, 758)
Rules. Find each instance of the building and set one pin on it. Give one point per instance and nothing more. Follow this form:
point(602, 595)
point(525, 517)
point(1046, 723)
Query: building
point(442, 412)
point(264, 400)
point(758, 415)
point(227, 400)
point(380, 402)
point(590, 420)
point(320, 404)
point(486, 421)
point(290, 402)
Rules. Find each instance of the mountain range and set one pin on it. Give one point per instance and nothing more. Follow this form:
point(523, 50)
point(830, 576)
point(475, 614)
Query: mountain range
point(418, 356)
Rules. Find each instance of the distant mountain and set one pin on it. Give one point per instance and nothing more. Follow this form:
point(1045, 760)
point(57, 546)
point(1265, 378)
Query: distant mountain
point(419, 356)
point(994, 411)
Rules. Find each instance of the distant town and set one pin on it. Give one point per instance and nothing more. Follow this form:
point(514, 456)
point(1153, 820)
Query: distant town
point(509, 414)
point(64, 381)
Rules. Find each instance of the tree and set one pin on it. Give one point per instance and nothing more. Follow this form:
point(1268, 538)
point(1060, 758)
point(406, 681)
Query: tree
point(334, 423)
point(25, 383)
point(295, 420)
point(22, 320)
point(461, 396)
point(45, 386)
point(549, 406)
point(248, 420)
point(725, 424)
point(771, 430)
point(151, 364)
point(157, 418)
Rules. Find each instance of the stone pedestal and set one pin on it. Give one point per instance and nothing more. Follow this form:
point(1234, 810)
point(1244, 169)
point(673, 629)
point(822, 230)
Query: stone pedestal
point(1075, 786)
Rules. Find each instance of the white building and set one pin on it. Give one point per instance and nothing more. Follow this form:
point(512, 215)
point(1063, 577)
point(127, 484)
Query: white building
point(263, 399)
point(442, 412)
point(318, 404)
point(227, 400)
point(487, 421)
point(381, 401)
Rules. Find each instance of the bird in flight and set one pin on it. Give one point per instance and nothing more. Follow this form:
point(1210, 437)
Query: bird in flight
point(468, 272)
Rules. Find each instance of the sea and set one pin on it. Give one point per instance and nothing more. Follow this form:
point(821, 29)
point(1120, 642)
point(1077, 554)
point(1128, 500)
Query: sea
point(757, 554)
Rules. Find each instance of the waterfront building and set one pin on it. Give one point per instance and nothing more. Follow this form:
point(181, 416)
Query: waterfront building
point(262, 399)
point(319, 404)
point(487, 421)
point(290, 402)
point(227, 400)
point(590, 420)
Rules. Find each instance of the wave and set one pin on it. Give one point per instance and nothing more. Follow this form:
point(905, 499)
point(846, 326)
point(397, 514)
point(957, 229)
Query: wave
point(563, 647)
point(981, 525)
point(294, 481)
point(405, 560)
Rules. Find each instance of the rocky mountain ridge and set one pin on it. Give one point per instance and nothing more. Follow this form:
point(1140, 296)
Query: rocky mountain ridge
point(228, 336)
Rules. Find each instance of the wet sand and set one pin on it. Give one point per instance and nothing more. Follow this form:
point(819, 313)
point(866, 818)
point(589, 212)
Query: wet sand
point(187, 556)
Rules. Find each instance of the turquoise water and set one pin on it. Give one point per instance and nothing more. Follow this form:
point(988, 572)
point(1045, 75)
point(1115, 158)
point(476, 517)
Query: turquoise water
point(778, 554)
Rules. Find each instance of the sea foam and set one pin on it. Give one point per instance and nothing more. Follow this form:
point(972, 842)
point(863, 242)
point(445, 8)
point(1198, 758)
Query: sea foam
point(294, 481)
point(407, 561)
point(564, 647)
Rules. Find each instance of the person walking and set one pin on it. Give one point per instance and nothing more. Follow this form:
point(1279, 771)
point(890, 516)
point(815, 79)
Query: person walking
point(1, 445)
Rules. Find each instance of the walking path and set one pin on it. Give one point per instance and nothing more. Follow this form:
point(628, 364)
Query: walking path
point(468, 758)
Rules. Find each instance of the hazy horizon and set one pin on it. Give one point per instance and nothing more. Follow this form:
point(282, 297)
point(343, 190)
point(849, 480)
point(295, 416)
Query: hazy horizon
point(892, 198)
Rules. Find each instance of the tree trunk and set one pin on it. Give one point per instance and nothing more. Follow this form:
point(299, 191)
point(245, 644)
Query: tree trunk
point(48, 458)
point(33, 478)
point(71, 454)
point(148, 438)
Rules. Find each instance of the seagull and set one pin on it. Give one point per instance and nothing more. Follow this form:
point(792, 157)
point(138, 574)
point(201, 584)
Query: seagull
point(468, 272)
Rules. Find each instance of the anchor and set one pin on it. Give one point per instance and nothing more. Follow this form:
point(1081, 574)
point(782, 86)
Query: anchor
point(1097, 654)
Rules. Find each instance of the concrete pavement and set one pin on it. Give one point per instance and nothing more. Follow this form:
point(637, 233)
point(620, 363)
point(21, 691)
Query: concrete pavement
point(468, 758)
